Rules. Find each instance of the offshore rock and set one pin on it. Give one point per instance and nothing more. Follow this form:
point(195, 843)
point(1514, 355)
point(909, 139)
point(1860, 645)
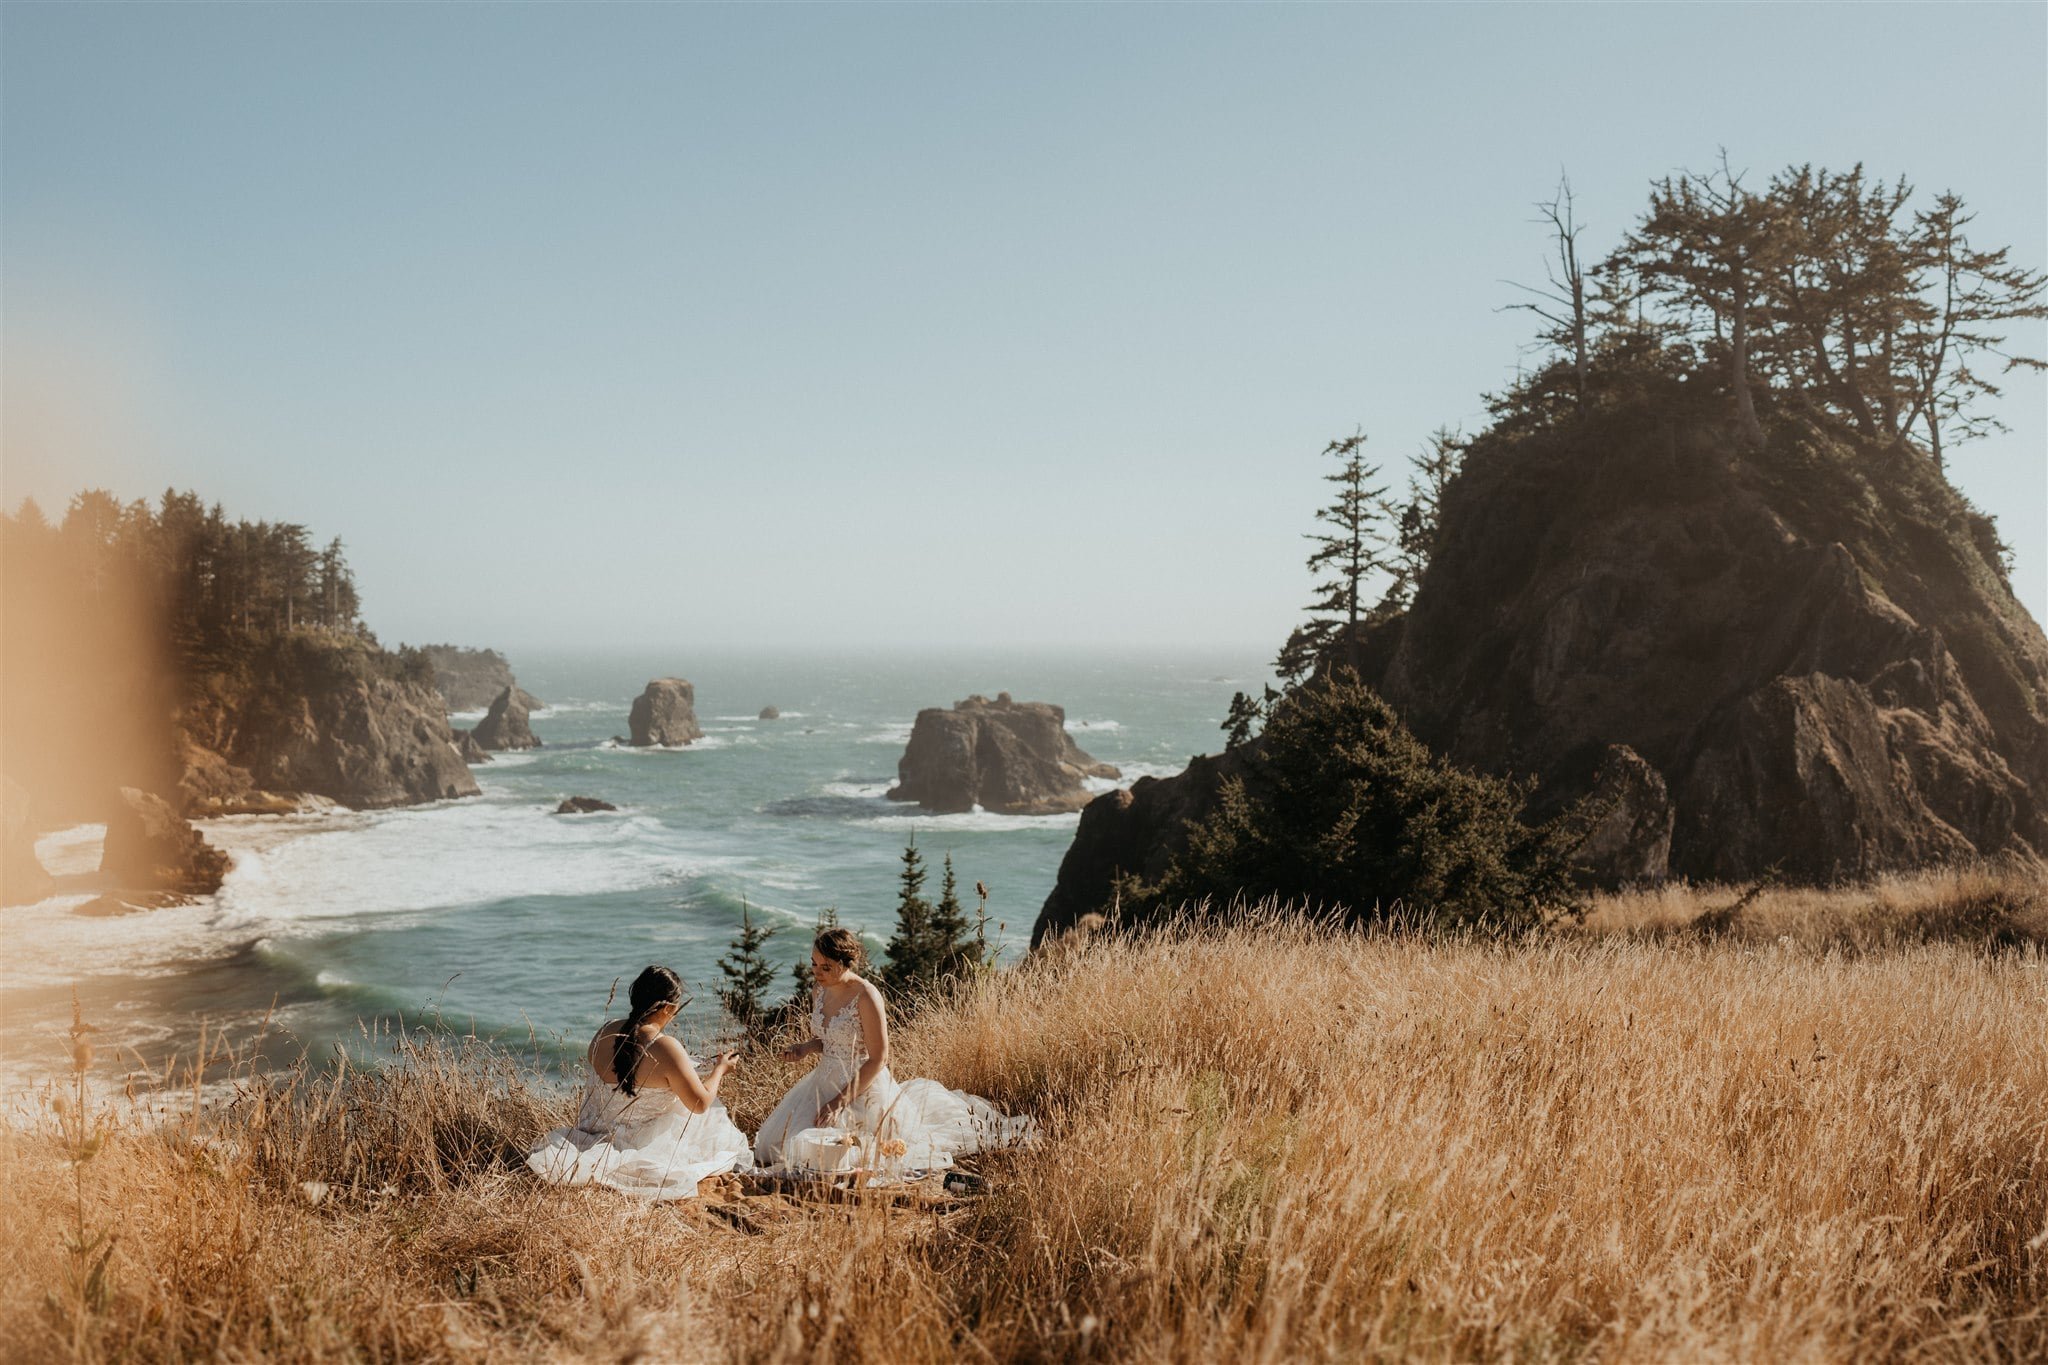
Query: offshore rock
point(469, 749)
point(583, 805)
point(1008, 757)
point(505, 726)
point(471, 679)
point(149, 847)
point(770, 713)
point(664, 714)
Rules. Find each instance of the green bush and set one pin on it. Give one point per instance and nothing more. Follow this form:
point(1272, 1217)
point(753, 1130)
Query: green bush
point(1341, 809)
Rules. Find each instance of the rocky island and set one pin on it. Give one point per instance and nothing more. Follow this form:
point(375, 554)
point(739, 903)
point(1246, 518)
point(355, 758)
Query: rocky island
point(505, 727)
point(471, 679)
point(1005, 756)
point(665, 715)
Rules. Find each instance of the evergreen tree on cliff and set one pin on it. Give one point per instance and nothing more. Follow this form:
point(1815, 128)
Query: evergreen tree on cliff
point(748, 974)
point(1345, 555)
point(1342, 806)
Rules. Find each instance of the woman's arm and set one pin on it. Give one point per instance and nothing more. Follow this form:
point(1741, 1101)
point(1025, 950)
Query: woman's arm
point(796, 1052)
point(874, 1027)
point(680, 1078)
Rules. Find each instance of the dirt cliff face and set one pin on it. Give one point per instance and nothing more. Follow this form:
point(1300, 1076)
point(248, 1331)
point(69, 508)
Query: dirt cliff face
point(1807, 644)
point(1803, 660)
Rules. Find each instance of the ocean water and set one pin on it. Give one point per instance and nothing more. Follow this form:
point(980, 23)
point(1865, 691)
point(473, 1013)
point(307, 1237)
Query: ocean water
point(495, 915)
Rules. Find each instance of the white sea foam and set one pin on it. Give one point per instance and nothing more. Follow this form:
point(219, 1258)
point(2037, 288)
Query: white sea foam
point(889, 734)
point(1095, 725)
point(786, 715)
point(67, 852)
point(976, 821)
point(442, 856)
point(860, 791)
point(579, 706)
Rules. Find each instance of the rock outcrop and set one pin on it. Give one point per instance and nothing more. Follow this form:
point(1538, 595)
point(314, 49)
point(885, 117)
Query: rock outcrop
point(504, 727)
point(665, 714)
point(469, 749)
point(583, 805)
point(770, 713)
point(1008, 757)
point(1810, 646)
point(23, 879)
point(328, 727)
point(1804, 662)
point(1621, 833)
point(149, 847)
point(471, 679)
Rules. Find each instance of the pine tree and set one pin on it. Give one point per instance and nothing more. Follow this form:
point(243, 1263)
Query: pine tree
point(1353, 549)
point(911, 961)
point(953, 951)
point(748, 974)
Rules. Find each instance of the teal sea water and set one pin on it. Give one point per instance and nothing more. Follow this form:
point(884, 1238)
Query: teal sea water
point(496, 915)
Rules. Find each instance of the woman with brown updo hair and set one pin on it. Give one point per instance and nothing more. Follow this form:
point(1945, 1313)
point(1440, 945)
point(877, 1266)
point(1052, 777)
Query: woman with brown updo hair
point(649, 1125)
point(902, 1128)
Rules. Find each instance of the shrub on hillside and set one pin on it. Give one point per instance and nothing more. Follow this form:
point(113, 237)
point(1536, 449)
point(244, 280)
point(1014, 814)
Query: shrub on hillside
point(1342, 808)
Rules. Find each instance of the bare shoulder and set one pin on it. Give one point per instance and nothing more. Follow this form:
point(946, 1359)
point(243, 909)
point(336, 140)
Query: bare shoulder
point(870, 994)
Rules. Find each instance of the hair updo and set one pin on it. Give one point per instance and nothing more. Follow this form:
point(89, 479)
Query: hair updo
point(842, 946)
point(652, 989)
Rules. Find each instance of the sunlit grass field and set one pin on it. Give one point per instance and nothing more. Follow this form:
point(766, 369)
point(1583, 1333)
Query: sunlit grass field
point(1699, 1126)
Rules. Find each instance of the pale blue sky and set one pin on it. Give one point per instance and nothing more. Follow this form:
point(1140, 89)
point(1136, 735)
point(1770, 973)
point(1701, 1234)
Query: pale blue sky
point(878, 326)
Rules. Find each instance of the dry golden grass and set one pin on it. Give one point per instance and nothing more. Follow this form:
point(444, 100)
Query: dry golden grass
point(1814, 1129)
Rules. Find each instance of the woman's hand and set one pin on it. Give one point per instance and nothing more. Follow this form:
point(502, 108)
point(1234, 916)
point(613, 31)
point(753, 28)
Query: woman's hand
point(795, 1052)
point(726, 1062)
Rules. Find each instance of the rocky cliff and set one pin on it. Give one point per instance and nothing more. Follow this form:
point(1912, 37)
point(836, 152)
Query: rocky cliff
point(1010, 757)
point(318, 719)
point(1803, 661)
point(471, 679)
point(665, 714)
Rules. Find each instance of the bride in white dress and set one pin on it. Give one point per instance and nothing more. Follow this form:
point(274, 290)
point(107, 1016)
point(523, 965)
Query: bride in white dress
point(649, 1125)
point(911, 1126)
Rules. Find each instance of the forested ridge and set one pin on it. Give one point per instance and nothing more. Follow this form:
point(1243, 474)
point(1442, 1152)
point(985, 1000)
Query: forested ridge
point(134, 630)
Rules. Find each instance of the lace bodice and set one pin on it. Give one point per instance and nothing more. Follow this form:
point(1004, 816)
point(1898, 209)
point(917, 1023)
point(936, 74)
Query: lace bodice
point(844, 1040)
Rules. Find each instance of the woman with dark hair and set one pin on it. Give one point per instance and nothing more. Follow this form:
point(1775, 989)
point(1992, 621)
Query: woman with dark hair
point(649, 1125)
point(901, 1127)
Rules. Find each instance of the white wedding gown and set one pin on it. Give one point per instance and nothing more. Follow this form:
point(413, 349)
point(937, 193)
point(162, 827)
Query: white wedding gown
point(646, 1145)
point(935, 1124)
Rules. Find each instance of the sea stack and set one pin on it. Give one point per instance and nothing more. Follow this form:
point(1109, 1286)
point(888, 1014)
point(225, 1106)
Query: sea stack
point(150, 847)
point(665, 715)
point(770, 713)
point(1008, 757)
point(505, 726)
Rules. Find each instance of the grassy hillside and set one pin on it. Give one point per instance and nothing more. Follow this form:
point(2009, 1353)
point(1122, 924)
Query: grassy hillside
point(1799, 1125)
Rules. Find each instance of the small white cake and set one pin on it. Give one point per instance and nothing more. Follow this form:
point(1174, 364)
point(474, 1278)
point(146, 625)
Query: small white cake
point(825, 1150)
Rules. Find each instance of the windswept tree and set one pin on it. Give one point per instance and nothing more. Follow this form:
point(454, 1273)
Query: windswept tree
point(1346, 555)
point(1562, 302)
point(1974, 293)
point(1710, 245)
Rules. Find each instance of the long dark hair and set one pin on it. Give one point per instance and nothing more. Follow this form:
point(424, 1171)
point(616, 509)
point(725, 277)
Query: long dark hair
point(653, 988)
